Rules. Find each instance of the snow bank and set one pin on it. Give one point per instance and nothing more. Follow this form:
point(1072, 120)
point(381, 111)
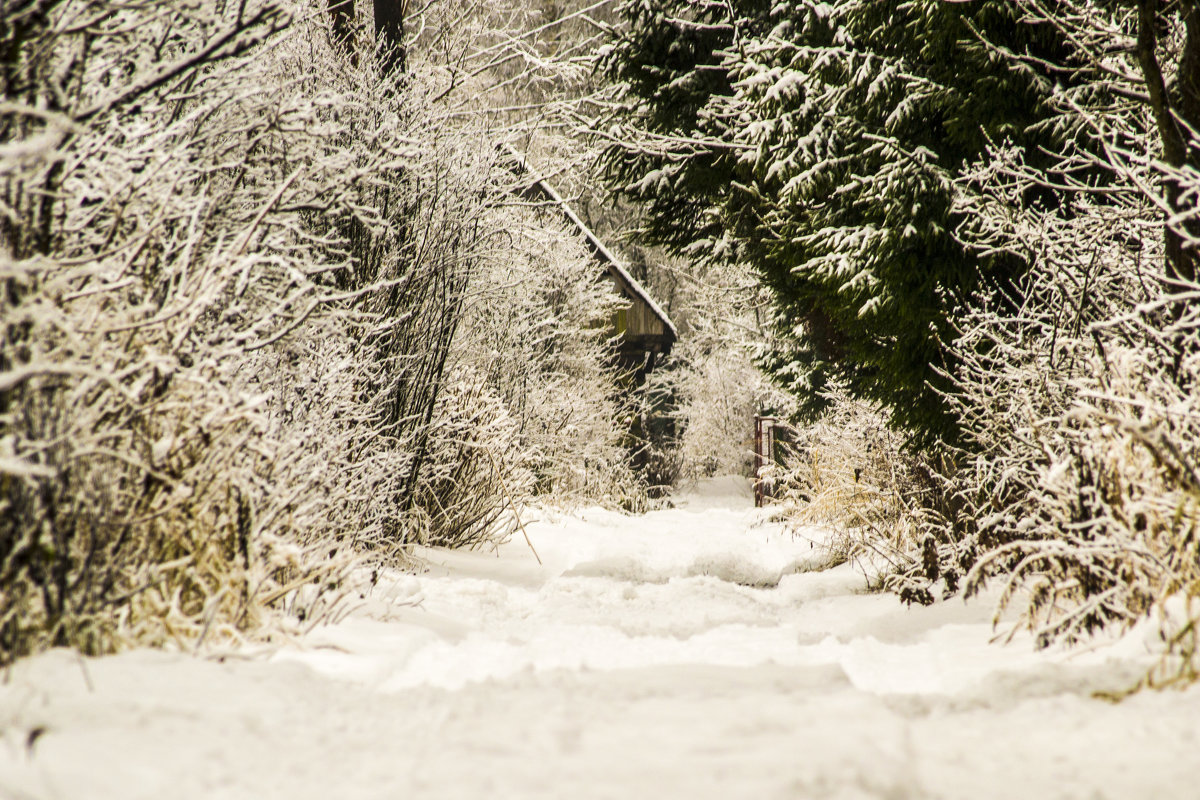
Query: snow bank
point(688, 652)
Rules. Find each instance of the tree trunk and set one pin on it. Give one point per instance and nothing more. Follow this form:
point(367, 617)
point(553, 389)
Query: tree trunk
point(389, 33)
point(1187, 104)
point(1177, 115)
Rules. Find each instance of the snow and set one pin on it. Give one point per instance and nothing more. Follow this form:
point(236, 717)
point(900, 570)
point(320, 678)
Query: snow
point(700, 651)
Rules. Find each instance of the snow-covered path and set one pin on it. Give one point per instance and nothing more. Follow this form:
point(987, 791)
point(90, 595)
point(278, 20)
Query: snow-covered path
point(692, 652)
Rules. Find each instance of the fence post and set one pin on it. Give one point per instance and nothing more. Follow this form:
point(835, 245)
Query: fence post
point(765, 437)
point(758, 459)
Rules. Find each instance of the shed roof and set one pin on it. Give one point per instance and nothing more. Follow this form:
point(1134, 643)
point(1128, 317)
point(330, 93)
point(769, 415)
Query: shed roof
point(628, 284)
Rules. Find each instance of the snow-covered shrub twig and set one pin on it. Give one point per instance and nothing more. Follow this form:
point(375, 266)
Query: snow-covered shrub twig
point(537, 330)
point(233, 262)
point(850, 471)
point(1078, 488)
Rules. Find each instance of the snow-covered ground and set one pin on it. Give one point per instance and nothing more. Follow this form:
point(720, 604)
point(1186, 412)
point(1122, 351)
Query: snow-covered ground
point(694, 652)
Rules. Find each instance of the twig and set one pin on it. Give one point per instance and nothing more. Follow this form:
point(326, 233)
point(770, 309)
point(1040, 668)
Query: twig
point(512, 505)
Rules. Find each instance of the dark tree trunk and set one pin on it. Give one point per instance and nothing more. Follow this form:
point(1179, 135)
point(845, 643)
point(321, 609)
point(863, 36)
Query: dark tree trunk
point(1187, 103)
point(389, 33)
point(1176, 110)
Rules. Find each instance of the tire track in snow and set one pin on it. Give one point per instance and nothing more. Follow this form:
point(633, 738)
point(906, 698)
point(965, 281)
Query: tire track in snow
point(629, 666)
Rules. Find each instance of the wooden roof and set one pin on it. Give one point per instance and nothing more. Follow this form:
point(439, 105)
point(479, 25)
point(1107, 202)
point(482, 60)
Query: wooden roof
point(647, 327)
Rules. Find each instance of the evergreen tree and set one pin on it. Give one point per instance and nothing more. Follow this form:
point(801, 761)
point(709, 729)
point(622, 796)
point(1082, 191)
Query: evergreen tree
point(816, 143)
point(673, 132)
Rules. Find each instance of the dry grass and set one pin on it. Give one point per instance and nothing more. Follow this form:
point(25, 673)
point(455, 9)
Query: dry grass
point(849, 472)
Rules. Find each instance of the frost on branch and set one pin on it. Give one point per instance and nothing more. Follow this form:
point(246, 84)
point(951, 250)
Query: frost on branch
point(1064, 332)
point(537, 328)
point(234, 263)
point(1079, 394)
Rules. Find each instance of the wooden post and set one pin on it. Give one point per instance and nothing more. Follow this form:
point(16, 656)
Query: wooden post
point(758, 459)
point(764, 453)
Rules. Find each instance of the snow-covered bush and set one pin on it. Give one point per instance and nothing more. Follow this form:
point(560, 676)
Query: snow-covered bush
point(711, 387)
point(233, 263)
point(472, 477)
point(1072, 380)
point(147, 258)
point(537, 328)
point(1080, 407)
point(715, 391)
point(1078, 485)
point(850, 471)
